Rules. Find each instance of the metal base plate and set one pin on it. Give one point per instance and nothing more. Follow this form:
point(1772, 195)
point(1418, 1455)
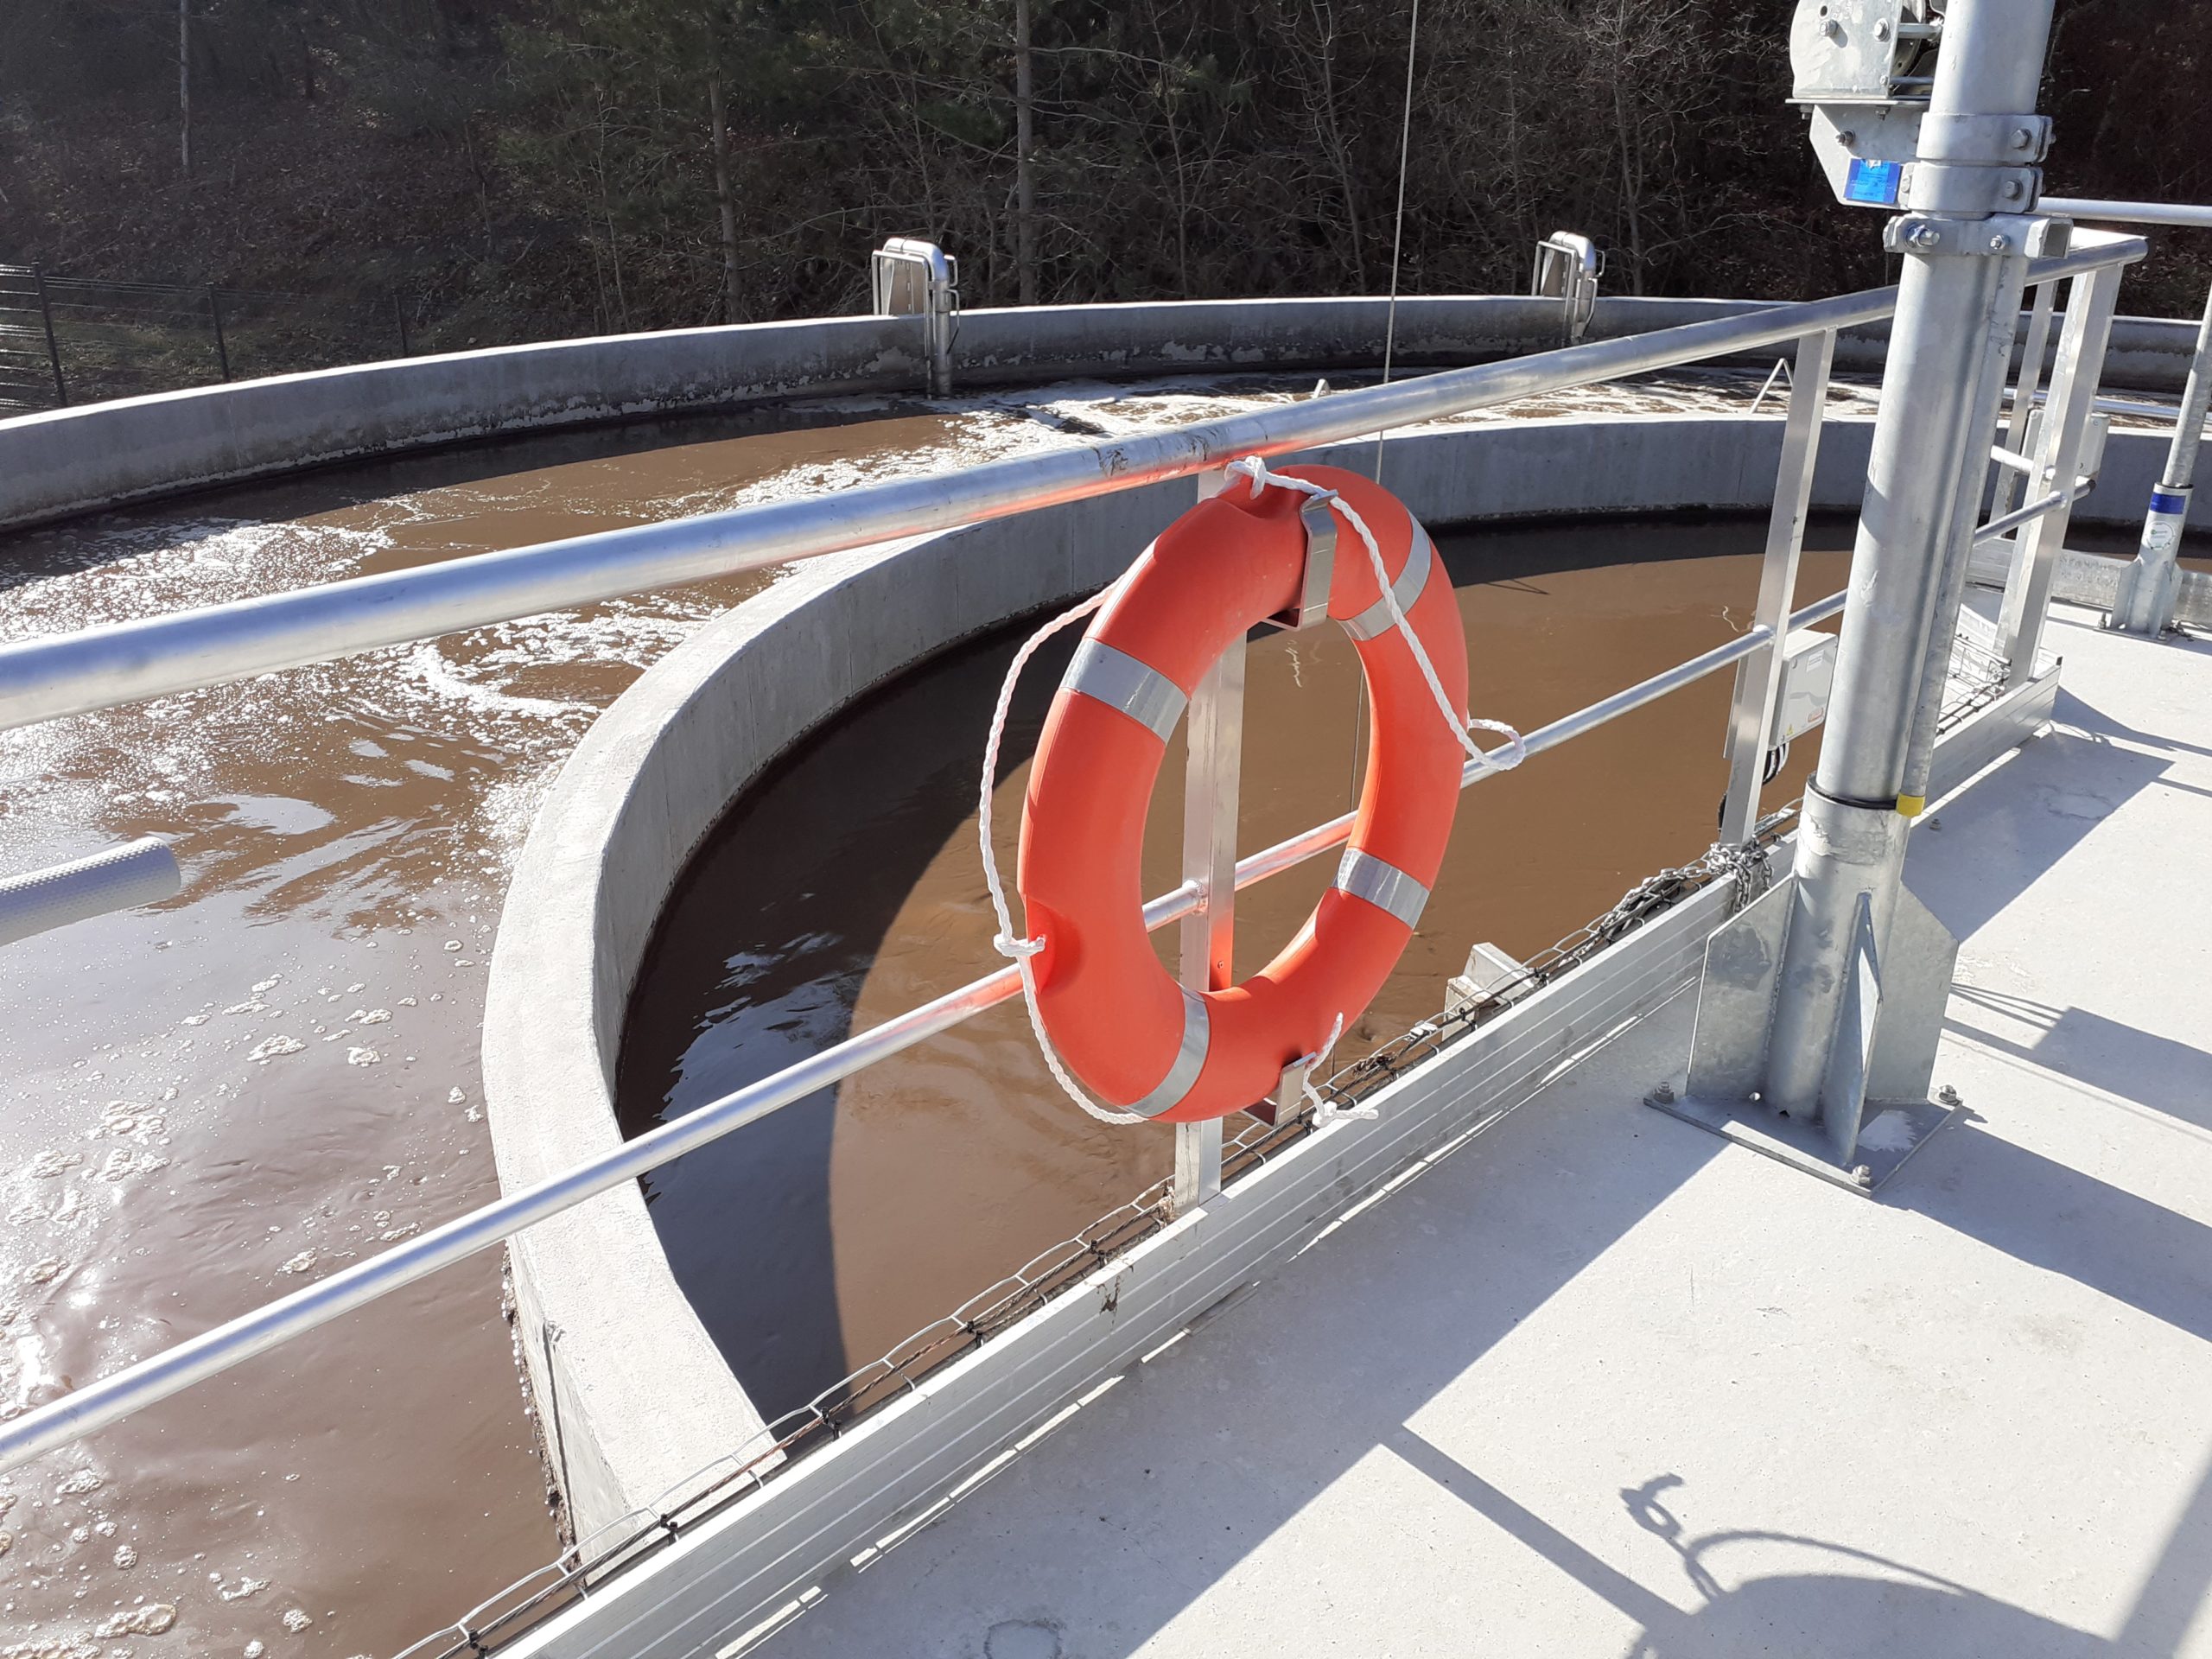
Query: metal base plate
point(1892, 1132)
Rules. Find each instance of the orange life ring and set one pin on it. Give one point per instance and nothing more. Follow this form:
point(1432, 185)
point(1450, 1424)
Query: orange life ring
point(1120, 1022)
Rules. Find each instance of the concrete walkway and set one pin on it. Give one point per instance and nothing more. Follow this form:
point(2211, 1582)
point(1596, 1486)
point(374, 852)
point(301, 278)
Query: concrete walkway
point(1600, 1384)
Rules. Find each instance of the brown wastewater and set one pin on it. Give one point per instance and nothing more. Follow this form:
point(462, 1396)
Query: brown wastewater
point(213, 1102)
point(847, 888)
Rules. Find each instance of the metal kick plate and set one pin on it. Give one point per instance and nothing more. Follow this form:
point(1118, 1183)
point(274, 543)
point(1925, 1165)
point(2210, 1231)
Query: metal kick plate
point(1916, 973)
point(1735, 1003)
point(1892, 1132)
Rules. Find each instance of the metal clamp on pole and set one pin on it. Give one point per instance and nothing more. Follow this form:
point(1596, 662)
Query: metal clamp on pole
point(1320, 521)
point(1289, 1096)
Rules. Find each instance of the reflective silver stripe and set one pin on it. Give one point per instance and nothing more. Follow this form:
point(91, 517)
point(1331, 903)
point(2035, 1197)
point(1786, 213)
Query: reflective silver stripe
point(1376, 618)
point(1120, 681)
point(1189, 1060)
point(1384, 885)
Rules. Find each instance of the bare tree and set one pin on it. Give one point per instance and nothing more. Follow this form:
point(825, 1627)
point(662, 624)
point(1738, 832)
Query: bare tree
point(1313, 68)
point(1025, 156)
point(184, 86)
point(725, 198)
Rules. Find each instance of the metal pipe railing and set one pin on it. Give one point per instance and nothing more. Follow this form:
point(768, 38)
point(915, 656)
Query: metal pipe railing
point(2183, 215)
point(1995, 529)
point(128, 662)
point(110, 1399)
point(100, 668)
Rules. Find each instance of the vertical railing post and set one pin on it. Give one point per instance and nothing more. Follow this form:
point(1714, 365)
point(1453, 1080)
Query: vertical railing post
point(2025, 385)
point(1760, 680)
point(2145, 604)
point(53, 345)
point(399, 316)
point(2066, 417)
point(222, 348)
point(1215, 730)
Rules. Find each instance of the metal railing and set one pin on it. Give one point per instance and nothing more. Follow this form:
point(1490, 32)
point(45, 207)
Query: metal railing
point(910, 278)
point(1567, 267)
point(129, 661)
point(43, 678)
point(2151, 586)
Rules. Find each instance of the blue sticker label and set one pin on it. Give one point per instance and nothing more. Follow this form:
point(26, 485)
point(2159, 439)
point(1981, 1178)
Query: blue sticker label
point(1873, 182)
point(2166, 501)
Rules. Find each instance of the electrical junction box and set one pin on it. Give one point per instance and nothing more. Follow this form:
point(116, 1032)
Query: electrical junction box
point(1863, 51)
point(1866, 68)
point(1808, 677)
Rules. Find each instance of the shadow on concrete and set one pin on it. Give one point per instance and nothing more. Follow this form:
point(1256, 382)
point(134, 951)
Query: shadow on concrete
point(2070, 712)
point(2058, 1218)
point(1861, 1606)
point(1982, 849)
point(1211, 1490)
point(2160, 1073)
point(1848, 1603)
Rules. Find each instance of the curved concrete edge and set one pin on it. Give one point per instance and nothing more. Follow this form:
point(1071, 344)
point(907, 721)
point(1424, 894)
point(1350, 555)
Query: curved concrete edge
point(70, 461)
point(634, 1397)
point(73, 460)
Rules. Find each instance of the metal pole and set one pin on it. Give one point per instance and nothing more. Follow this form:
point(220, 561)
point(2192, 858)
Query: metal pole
point(2065, 419)
point(2146, 592)
point(52, 348)
point(111, 1398)
point(123, 663)
point(1958, 556)
point(215, 317)
point(1215, 731)
point(1929, 432)
point(1759, 681)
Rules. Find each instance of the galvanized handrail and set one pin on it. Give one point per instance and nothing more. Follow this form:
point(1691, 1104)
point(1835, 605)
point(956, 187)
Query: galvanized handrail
point(2145, 601)
point(99, 668)
point(113, 1397)
point(128, 662)
point(2182, 215)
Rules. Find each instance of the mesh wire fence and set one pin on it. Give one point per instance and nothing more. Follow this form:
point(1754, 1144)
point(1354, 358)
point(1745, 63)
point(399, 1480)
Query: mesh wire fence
point(71, 339)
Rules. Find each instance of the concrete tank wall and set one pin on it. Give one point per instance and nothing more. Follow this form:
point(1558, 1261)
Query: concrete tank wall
point(71, 460)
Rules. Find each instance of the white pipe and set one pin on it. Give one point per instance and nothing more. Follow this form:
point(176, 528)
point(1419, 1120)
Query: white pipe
point(140, 872)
